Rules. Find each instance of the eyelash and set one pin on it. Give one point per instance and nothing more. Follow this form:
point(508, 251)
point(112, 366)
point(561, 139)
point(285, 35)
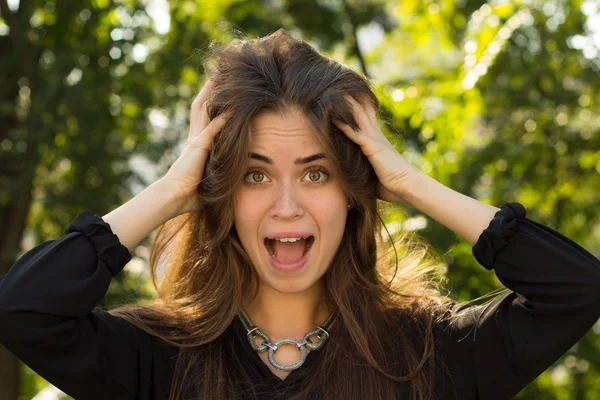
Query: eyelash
point(314, 169)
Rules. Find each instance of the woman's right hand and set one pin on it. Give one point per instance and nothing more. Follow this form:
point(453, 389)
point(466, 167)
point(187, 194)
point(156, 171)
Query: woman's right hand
point(185, 174)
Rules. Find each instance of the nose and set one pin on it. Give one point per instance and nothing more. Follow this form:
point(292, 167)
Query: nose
point(286, 205)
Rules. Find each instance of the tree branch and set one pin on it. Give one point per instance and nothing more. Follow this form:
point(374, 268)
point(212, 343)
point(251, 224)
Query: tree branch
point(354, 39)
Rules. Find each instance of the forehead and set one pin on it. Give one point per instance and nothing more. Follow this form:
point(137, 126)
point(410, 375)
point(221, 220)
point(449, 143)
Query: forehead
point(270, 128)
point(286, 139)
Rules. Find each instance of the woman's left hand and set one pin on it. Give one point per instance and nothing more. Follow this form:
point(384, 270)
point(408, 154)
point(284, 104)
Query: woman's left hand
point(391, 168)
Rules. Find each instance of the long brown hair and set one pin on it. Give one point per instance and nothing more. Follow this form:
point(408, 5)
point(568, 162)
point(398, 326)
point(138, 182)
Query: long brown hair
point(386, 292)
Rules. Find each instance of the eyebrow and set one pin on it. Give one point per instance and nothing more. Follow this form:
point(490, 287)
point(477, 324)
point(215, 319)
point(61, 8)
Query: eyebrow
point(300, 160)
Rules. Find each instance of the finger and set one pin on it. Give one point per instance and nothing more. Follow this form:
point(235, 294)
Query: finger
point(348, 131)
point(356, 109)
point(203, 94)
point(368, 108)
point(198, 119)
point(354, 104)
point(363, 110)
point(203, 118)
point(197, 123)
point(205, 139)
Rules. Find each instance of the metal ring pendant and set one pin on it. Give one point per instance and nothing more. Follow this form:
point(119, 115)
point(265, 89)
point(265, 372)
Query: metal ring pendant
point(292, 366)
point(253, 332)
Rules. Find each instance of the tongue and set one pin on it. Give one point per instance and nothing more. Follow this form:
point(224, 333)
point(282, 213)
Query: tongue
point(287, 252)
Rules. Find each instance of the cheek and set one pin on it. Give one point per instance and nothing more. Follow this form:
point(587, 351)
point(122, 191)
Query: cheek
point(246, 211)
point(240, 217)
point(332, 218)
point(247, 208)
point(332, 203)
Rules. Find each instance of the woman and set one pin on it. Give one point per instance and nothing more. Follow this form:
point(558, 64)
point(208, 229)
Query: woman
point(277, 286)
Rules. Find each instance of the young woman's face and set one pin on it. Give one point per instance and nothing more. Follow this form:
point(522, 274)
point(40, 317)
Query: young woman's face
point(287, 192)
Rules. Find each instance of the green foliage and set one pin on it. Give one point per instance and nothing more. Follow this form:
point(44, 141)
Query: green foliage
point(492, 99)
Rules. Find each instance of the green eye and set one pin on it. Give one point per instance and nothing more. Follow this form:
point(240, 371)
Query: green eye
point(316, 171)
point(254, 173)
point(251, 175)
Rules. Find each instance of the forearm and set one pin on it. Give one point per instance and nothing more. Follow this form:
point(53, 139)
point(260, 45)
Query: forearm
point(136, 219)
point(462, 214)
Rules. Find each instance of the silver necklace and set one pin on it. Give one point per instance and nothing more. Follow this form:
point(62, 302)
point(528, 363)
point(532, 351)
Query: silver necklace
point(252, 332)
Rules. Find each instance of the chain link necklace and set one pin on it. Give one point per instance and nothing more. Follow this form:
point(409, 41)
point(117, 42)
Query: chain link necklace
point(252, 332)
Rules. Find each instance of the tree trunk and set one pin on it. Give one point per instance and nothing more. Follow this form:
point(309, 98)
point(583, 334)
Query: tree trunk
point(16, 176)
point(9, 378)
point(13, 216)
point(353, 39)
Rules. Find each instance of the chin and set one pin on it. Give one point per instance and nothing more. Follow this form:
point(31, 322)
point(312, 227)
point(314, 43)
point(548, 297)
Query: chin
point(289, 284)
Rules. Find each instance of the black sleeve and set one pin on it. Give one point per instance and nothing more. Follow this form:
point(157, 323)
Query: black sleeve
point(47, 316)
point(495, 350)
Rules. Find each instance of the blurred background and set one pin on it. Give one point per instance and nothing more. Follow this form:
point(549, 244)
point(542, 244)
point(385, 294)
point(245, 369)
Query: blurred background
point(499, 100)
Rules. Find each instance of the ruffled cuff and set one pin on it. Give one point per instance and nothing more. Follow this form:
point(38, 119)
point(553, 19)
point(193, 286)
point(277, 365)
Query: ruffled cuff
point(495, 236)
point(107, 244)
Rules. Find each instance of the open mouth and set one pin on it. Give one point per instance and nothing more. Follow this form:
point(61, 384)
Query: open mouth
point(287, 252)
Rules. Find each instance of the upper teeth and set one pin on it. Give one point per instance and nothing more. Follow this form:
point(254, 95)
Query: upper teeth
point(289, 239)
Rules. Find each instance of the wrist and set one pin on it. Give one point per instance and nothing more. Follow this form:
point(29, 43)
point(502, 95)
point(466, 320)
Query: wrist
point(168, 201)
point(138, 217)
point(410, 185)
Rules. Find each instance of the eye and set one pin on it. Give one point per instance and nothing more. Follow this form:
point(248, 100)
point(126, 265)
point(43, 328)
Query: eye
point(253, 174)
point(315, 172)
point(256, 176)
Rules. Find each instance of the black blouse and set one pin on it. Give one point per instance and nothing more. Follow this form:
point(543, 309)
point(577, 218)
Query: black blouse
point(47, 317)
